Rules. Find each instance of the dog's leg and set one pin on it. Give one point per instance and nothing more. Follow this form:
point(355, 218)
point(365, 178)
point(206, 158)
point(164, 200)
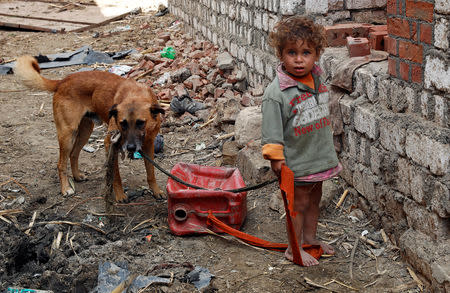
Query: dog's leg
point(66, 138)
point(84, 132)
point(117, 182)
point(148, 148)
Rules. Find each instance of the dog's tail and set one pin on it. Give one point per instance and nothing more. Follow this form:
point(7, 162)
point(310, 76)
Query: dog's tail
point(28, 70)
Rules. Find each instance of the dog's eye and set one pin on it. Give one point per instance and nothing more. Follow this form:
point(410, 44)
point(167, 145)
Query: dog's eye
point(140, 124)
point(124, 124)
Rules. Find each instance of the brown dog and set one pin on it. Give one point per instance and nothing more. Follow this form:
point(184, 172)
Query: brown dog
point(81, 98)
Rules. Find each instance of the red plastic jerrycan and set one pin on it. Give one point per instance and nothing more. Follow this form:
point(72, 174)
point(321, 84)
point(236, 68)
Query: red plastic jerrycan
point(189, 207)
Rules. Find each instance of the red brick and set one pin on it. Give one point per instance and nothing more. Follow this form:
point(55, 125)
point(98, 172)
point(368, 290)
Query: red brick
point(420, 10)
point(392, 66)
point(426, 33)
point(416, 73)
point(377, 28)
point(414, 35)
point(404, 70)
point(398, 27)
point(376, 40)
point(391, 7)
point(410, 51)
point(390, 45)
point(337, 34)
point(358, 47)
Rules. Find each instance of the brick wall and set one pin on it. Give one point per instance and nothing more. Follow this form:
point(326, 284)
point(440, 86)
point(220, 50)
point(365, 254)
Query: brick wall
point(395, 143)
point(241, 26)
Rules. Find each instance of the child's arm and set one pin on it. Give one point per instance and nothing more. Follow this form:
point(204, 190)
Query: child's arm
point(276, 166)
point(272, 135)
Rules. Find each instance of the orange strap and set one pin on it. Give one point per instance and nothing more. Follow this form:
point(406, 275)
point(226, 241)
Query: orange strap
point(287, 192)
point(287, 188)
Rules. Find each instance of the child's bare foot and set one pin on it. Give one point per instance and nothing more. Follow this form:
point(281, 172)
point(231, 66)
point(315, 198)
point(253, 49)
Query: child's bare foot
point(307, 259)
point(327, 248)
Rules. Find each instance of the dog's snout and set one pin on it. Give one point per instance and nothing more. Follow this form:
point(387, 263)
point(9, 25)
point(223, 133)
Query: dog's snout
point(131, 147)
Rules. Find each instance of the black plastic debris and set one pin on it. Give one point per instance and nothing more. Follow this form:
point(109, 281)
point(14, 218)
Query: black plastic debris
point(162, 12)
point(200, 277)
point(84, 55)
point(182, 104)
point(159, 143)
point(110, 275)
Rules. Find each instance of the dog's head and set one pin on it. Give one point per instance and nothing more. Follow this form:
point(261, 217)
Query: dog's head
point(135, 120)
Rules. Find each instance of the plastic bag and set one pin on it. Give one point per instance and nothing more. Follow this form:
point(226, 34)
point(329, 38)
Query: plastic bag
point(168, 52)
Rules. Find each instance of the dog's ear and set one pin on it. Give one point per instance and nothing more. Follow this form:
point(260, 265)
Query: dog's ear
point(155, 109)
point(113, 111)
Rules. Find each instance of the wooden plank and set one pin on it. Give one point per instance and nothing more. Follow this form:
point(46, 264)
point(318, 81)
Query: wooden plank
point(47, 16)
point(40, 25)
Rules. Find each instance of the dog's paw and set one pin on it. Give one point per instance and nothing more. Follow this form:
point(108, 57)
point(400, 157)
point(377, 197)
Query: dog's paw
point(80, 178)
point(159, 194)
point(122, 198)
point(68, 192)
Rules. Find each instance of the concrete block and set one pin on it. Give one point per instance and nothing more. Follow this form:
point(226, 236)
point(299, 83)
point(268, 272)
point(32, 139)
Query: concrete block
point(399, 102)
point(365, 182)
point(437, 73)
point(429, 223)
point(348, 164)
point(428, 152)
point(366, 121)
point(364, 151)
point(384, 93)
point(363, 4)
point(403, 171)
point(442, 6)
point(259, 64)
point(441, 111)
point(369, 16)
point(257, 19)
point(412, 99)
point(316, 6)
point(335, 4)
point(358, 47)
point(440, 201)
point(426, 106)
point(248, 125)
point(366, 83)
point(351, 143)
point(393, 134)
point(422, 252)
point(253, 167)
point(346, 105)
point(376, 157)
point(421, 184)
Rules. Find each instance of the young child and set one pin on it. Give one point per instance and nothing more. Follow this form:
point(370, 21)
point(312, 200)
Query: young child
point(296, 130)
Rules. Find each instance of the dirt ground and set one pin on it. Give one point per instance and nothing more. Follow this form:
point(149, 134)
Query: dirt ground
point(29, 185)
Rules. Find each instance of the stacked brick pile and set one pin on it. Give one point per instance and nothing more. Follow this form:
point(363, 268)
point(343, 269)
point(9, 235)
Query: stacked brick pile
point(358, 37)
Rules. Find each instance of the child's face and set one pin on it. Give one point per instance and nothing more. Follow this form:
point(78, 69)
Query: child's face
point(298, 58)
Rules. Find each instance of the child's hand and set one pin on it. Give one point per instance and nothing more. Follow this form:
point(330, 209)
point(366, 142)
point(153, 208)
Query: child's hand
point(276, 166)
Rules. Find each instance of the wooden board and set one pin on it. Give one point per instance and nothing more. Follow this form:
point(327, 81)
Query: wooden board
point(46, 16)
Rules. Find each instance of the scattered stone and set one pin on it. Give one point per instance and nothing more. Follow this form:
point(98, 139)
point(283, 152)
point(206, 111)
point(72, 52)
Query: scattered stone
point(276, 202)
point(248, 125)
point(257, 91)
point(229, 153)
point(180, 75)
point(225, 61)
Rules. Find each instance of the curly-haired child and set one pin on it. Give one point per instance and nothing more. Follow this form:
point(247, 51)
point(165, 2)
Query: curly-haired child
point(296, 129)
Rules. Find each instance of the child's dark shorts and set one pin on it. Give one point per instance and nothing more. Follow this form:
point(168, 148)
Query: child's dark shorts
point(303, 183)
